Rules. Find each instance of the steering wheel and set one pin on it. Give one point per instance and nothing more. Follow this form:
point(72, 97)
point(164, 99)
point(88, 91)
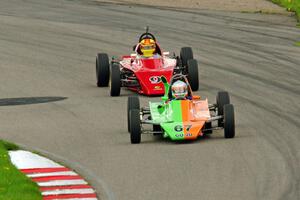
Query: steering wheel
point(147, 35)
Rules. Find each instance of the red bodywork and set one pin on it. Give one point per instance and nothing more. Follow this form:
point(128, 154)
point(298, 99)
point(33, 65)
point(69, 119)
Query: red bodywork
point(148, 72)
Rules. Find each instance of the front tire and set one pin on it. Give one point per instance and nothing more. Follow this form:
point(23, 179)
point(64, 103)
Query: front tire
point(115, 80)
point(132, 103)
point(135, 126)
point(102, 69)
point(229, 122)
point(186, 53)
point(193, 76)
point(222, 100)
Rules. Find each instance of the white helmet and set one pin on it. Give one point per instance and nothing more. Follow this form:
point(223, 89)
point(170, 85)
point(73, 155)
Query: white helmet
point(179, 90)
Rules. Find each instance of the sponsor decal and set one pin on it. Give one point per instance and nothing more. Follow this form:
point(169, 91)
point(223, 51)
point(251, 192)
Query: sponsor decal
point(157, 87)
point(155, 79)
point(181, 135)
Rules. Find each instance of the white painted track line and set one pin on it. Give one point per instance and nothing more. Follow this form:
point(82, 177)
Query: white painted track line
point(69, 191)
point(70, 173)
point(62, 182)
point(25, 160)
point(80, 199)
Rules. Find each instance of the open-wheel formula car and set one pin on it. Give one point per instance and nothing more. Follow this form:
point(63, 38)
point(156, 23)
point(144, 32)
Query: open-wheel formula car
point(141, 71)
point(180, 117)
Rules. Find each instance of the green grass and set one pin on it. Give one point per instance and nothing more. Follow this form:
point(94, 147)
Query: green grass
point(291, 5)
point(14, 185)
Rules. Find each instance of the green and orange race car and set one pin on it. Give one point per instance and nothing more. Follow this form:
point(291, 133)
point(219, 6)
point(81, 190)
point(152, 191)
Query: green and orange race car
point(185, 118)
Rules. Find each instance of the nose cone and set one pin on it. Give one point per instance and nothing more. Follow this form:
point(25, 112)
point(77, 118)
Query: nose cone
point(150, 80)
point(183, 130)
point(182, 124)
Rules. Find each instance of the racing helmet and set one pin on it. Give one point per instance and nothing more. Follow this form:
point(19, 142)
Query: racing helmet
point(147, 47)
point(179, 90)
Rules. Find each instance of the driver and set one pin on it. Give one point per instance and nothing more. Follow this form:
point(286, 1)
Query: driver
point(148, 48)
point(179, 90)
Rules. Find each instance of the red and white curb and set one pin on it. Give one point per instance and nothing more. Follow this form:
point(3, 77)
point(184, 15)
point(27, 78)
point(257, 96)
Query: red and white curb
point(56, 182)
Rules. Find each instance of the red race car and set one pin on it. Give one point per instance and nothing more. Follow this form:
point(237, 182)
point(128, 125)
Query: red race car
point(141, 71)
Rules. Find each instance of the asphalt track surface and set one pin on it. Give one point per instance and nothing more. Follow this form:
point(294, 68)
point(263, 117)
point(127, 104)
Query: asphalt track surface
point(48, 48)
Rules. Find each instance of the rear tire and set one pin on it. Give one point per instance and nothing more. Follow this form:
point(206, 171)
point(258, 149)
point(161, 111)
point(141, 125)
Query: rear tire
point(229, 123)
point(193, 76)
point(132, 103)
point(222, 100)
point(186, 53)
point(135, 126)
point(115, 80)
point(102, 69)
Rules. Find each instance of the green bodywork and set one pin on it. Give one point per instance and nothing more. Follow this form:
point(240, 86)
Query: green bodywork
point(169, 117)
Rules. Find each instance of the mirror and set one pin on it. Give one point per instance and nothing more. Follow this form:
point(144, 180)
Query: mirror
point(163, 79)
point(133, 48)
point(161, 108)
point(195, 97)
point(164, 98)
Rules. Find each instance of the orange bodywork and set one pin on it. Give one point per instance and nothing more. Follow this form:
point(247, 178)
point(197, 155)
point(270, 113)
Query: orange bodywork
point(194, 115)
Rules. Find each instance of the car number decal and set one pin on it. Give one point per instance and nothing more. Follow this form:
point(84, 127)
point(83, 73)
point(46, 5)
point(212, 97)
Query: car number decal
point(178, 128)
point(155, 79)
point(188, 127)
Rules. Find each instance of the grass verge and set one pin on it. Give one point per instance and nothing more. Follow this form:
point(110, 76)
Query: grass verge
point(291, 5)
point(14, 185)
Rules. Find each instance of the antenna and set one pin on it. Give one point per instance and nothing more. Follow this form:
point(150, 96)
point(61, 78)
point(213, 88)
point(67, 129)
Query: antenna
point(147, 29)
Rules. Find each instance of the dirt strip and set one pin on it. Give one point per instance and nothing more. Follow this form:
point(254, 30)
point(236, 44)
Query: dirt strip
point(225, 5)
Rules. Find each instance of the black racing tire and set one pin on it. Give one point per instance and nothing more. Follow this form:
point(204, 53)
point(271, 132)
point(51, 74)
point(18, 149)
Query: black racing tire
point(193, 76)
point(102, 69)
point(186, 53)
point(115, 80)
point(222, 100)
point(229, 122)
point(133, 102)
point(208, 125)
point(135, 126)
